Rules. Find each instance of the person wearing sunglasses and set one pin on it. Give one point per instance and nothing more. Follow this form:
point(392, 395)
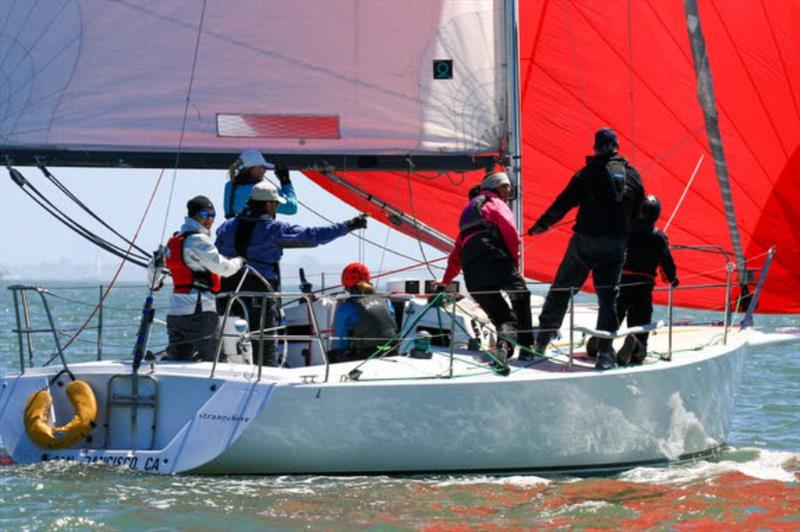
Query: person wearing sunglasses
point(196, 267)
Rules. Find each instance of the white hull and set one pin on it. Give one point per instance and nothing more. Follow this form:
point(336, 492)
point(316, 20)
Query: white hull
point(400, 418)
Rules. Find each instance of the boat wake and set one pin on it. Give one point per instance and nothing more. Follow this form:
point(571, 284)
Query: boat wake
point(761, 464)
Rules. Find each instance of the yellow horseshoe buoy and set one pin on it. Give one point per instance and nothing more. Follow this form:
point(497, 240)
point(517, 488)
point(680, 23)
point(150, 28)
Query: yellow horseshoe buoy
point(37, 417)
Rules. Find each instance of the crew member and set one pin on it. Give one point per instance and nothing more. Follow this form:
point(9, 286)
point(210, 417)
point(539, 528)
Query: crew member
point(363, 322)
point(196, 267)
point(607, 192)
point(648, 250)
point(256, 235)
point(248, 170)
point(487, 249)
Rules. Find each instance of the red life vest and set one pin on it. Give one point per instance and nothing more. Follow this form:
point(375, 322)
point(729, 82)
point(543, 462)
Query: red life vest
point(183, 278)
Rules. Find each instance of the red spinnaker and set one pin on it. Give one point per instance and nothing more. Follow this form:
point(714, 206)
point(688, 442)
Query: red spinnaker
point(628, 65)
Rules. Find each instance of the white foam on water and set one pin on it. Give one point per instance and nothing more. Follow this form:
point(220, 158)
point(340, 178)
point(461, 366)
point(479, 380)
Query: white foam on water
point(72, 523)
point(758, 463)
point(297, 491)
point(770, 466)
point(590, 506)
point(162, 504)
point(523, 481)
point(585, 507)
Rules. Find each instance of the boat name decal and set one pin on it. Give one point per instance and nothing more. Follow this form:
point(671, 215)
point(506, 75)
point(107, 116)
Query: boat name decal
point(150, 463)
point(223, 417)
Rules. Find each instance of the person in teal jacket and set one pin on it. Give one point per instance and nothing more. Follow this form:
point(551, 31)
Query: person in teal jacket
point(248, 170)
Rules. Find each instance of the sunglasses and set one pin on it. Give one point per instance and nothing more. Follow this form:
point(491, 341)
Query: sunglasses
point(207, 214)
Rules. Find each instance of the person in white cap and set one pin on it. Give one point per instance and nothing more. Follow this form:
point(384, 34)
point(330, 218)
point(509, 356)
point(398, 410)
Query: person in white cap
point(257, 236)
point(248, 170)
point(487, 248)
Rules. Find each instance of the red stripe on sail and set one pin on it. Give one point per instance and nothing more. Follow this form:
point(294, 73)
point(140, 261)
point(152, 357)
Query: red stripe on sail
point(278, 126)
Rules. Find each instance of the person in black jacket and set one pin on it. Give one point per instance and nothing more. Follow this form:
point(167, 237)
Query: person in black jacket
point(608, 192)
point(648, 249)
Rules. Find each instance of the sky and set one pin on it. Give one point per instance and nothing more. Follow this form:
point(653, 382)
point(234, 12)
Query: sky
point(34, 245)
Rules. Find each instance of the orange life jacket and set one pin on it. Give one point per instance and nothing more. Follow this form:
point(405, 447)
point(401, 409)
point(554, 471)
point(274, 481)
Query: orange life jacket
point(184, 278)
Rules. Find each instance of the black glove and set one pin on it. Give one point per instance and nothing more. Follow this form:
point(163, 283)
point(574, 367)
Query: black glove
point(282, 173)
point(674, 283)
point(536, 229)
point(359, 222)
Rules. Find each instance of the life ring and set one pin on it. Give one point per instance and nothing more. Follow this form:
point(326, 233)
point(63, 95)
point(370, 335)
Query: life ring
point(40, 428)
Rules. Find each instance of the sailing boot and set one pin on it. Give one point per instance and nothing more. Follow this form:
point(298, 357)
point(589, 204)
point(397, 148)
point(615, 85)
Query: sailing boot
point(605, 360)
point(539, 348)
point(502, 353)
point(625, 353)
point(640, 353)
point(591, 347)
point(529, 354)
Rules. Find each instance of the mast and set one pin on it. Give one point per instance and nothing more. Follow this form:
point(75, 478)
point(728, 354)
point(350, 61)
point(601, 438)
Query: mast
point(705, 95)
point(513, 142)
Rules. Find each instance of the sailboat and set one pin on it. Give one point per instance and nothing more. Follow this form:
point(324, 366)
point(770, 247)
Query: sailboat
point(382, 104)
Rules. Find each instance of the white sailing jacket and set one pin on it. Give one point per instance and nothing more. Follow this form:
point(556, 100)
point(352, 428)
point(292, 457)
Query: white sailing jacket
point(200, 254)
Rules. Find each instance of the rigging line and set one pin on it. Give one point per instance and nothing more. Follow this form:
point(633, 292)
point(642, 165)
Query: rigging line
point(414, 216)
point(375, 276)
point(183, 124)
point(116, 274)
point(83, 206)
point(82, 231)
point(383, 254)
point(685, 190)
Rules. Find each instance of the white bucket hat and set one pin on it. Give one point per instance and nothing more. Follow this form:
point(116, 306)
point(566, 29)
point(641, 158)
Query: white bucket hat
point(493, 181)
point(252, 157)
point(266, 191)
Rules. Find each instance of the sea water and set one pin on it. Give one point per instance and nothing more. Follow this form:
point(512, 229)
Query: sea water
point(755, 483)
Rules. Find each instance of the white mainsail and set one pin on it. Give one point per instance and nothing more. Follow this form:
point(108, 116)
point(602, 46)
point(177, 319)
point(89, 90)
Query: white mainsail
point(317, 76)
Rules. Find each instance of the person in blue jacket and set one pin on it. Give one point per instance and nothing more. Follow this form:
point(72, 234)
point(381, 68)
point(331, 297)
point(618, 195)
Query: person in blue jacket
point(363, 322)
point(248, 170)
point(257, 236)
